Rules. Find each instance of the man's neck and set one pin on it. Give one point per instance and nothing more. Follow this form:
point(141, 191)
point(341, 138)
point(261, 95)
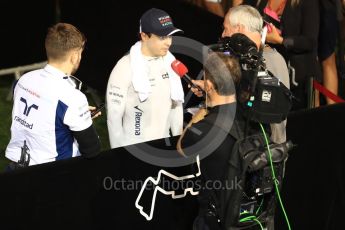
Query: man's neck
point(62, 67)
point(221, 100)
point(145, 51)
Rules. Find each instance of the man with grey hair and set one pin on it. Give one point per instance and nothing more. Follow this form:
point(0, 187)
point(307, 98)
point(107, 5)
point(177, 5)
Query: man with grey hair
point(243, 19)
point(247, 20)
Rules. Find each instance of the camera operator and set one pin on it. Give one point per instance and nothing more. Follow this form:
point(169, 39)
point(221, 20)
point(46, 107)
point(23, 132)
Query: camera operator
point(51, 118)
point(246, 20)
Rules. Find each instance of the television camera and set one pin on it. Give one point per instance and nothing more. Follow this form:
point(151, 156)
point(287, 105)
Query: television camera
point(261, 95)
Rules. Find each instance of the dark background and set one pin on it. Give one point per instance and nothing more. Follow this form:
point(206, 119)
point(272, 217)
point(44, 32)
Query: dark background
point(69, 193)
point(111, 28)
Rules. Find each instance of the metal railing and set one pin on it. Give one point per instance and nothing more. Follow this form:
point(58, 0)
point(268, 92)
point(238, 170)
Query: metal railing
point(19, 70)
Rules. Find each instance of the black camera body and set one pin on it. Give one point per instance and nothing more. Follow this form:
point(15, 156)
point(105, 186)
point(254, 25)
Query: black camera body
point(261, 95)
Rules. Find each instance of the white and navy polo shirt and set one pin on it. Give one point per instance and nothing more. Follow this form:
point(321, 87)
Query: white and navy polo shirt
point(47, 107)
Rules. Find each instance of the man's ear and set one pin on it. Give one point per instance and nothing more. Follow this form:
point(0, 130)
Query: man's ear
point(208, 85)
point(144, 37)
point(74, 58)
point(241, 28)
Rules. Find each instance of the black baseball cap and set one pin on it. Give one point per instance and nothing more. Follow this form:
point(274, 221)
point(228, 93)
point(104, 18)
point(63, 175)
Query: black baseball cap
point(157, 22)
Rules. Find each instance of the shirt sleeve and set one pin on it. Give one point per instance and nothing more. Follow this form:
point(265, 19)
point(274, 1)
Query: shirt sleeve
point(116, 97)
point(77, 116)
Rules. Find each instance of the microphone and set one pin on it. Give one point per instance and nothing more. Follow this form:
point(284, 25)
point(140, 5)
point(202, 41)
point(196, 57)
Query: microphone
point(181, 70)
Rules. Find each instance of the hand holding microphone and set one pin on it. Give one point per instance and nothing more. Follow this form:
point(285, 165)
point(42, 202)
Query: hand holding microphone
point(199, 84)
point(181, 70)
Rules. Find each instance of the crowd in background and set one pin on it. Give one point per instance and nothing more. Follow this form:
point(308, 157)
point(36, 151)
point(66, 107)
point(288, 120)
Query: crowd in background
point(309, 38)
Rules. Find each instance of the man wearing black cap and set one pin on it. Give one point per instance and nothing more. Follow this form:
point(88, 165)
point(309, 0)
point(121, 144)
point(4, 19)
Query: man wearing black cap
point(144, 95)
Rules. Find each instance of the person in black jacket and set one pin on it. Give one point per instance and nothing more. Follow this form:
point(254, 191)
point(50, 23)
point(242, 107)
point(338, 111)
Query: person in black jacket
point(222, 72)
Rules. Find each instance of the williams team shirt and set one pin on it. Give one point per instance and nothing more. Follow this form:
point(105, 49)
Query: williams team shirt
point(47, 107)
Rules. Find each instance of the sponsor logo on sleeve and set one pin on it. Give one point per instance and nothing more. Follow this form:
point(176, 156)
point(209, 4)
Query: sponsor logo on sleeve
point(115, 101)
point(116, 98)
point(84, 113)
point(29, 90)
point(112, 86)
point(115, 94)
point(152, 81)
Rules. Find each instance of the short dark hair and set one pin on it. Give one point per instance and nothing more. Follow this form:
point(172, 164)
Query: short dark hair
point(148, 34)
point(62, 38)
point(223, 71)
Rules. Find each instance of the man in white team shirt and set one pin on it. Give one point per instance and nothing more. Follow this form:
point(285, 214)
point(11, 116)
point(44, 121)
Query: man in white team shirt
point(144, 95)
point(49, 111)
